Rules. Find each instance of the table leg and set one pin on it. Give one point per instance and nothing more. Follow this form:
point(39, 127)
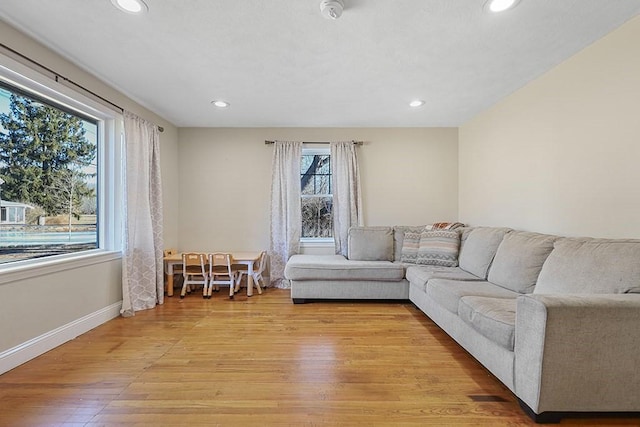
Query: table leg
point(170, 285)
point(250, 279)
point(170, 280)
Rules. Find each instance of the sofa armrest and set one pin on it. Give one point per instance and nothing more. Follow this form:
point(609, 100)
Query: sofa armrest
point(578, 353)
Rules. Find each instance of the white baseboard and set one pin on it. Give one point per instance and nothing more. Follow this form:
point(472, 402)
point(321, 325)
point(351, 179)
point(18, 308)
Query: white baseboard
point(33, 348)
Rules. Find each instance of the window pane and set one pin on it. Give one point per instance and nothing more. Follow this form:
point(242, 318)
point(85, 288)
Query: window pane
point(317, 217)
point(315, 175)
point(48, 173)
point(324, 166)
point(322, 184)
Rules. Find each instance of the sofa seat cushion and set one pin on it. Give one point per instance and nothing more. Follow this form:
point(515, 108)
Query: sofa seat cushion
point(420, 274)
point(494, 318)
point(598, 266)
point(337, 267)
point(478, 247)
point(519, 260)
point(447, 292)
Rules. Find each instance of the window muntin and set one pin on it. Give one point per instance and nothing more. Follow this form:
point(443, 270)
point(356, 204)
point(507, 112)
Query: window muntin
point(53, 212)
point(316, 194)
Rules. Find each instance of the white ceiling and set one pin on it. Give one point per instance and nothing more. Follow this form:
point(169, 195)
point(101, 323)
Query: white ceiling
point(281, 63)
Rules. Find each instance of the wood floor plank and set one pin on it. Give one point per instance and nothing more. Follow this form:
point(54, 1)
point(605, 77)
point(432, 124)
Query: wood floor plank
point(262, 361)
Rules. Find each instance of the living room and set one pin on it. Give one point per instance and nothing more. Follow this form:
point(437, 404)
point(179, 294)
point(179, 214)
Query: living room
point(558, 155)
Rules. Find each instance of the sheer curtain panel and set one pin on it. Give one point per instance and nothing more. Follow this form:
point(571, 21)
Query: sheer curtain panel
point(142, 275)
point(347, 200)
point(286, 225)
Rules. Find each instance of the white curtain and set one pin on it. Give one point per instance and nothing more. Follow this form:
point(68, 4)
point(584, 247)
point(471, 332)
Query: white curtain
point(142, 264)
point(347, 199)
point(286, 223)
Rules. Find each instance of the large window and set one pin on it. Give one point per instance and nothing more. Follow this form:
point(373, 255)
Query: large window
point(52, 175)
point(317, 198)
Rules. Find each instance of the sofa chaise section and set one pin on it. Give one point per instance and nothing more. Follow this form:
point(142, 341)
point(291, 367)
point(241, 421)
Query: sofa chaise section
point(336, 277)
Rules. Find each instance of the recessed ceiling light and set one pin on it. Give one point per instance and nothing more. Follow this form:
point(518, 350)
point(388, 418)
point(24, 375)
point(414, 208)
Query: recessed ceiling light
point(131, 6)
point(500, 5)
point(220, 104)
point(416, 103)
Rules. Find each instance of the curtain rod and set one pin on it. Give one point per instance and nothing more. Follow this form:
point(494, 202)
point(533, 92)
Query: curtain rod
point(267, 142)
point(57, 77)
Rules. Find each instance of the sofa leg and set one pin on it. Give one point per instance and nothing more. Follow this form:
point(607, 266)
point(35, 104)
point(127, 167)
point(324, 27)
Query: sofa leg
point(299, 300)
point(543, 418)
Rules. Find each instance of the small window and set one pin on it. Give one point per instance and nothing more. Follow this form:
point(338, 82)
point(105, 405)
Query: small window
point(317, 194)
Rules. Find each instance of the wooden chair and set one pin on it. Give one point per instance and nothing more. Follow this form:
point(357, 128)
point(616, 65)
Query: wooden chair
point(257, 272)
point(193, 272)
point(221, 272)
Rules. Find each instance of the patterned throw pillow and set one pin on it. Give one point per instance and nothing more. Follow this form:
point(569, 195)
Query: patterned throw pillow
point(410, 245)
point(438, 247)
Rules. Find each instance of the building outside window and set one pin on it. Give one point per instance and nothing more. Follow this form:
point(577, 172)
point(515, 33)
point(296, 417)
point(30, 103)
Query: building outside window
point(13, 213)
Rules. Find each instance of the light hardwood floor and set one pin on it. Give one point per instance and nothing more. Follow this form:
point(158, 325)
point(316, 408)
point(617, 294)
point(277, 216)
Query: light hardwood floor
point(262, 361)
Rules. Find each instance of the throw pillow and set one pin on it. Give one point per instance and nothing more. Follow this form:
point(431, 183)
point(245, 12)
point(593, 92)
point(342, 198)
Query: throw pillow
point(410, 245)
point(398, 238)
point(439, 247)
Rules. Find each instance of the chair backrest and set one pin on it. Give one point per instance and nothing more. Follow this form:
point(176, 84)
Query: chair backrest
point(193, 263)
point(262, 262)
point(220, 263)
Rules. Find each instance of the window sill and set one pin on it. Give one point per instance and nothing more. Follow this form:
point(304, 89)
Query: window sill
point(307, 242)
point(34, 268)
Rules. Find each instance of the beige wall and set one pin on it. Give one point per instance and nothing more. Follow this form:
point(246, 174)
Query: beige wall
point(561, 155)
point(32, 307)
point(409, 176)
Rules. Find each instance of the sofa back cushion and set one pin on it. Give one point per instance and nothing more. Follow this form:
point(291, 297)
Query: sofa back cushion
point(519, 259)
point(478, 247)
point(370, 244)
point(591, 266)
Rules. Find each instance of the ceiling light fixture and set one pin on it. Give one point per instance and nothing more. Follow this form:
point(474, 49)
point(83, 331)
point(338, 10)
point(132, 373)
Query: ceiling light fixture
point(220, 104)
point(331, 9)
point(135, 7)
point(496, 6)
point(417, 103)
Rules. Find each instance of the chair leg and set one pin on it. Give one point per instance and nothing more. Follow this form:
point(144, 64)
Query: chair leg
point(183, 291)
point(232, 281)
point(256, 281)
point(238, 280)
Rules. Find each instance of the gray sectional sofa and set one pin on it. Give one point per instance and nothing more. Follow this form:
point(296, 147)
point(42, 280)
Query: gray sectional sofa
point(556, 319)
